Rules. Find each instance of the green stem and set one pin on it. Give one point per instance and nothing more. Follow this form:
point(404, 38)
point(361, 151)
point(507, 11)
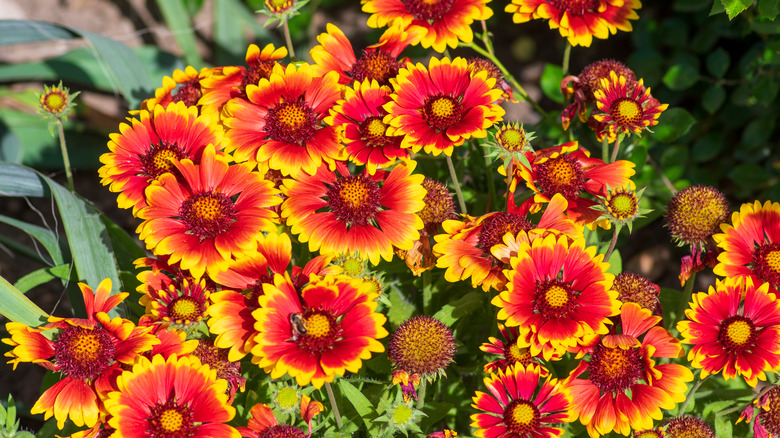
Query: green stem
point(427, 290)
point(690, 396)
point(333, 405)
point(612, 242)
point(421, 394)
point(485, 38)
point(288, 39)
point(510, 170)
point(605, 149)
point(507, 76)
point(616, 148)
point(65, 159)
point(455, 182)
point(758, 396)
point(686, 296)
point(566, 57)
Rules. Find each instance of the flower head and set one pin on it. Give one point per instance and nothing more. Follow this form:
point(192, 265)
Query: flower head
point(174, 397)
point(734, 328)
point(181, 86)
point(217, 358)
point(444, 23)
point(620, 206)
point(751, 244)
point(477, 65)
point(325, 330)
point(341, 212)
point(422, 345)
point(694, 215)
point(578, 20)
point(182, 303)
point(510, 144)
point(623, 110)
point(767, 417)
point(581, 87)
point(687, 426)
point(438, 107)
point(520, 405)
point(634, 288)
point(56, 101)
point(513, 349)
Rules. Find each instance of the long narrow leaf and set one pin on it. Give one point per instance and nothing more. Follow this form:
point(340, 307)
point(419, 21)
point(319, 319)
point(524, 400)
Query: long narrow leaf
point(359, 401)
point(46, 237)
point(45, 275)
point(178, 22)
point(17, 307)
point(18, 180)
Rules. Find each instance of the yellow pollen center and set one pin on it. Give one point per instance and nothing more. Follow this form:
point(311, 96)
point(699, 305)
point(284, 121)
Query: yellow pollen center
point(646, 434)
point(376, 128)
point(293, 116)
point(55, 102)
point(523, 414)
point(512, 139)
point(430, 2)
point(287, 398)
point(207, 208)
point(317, 326)
point(739, 332)
point(86, 347)
point(614, 363)
point(772, 260)
point(186, 308)
point(561, 172)
point(163, 160)
point(556, 297)
point(171, 420)
point(442, 107)
point(629, 110)
point(623, 206)
point(354, 194)
point(518, 354)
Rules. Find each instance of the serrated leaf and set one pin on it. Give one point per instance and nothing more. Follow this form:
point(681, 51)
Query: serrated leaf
point(718, 62)
point(713, 98)
point(769, 8)
point(734, 7)
point(356, 398)
point(550, 82)
point(681, 76)
point(673, 124)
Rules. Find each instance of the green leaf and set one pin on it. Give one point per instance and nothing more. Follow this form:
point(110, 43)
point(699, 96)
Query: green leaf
point(17, 180)
point(359, 401)
point(769, 8)
point(707, 147)
point(673, 124)
point(46, 237)
point(450, 313)
point(718, 62)
point(400, 308)
point(178, 22)
point(228, 33)
point(681, 76)
point(723, 427)
point(552, 75)
point(748, 175)
point(766, 89)
point(45, 275)
point(17, 307)
point(713, 98)
point(734, 7)
point(615, 261)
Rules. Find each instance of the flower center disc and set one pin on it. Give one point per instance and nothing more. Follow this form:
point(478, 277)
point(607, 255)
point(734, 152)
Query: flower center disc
point(626, 112)
point(576, 7)
point(514, 354)
point(56, 102)
point(431, 10)
point(169, 421)
point(512, 139)
point(766, 263)
point(255, 72)
point(375, 64)
point(373, 130)
point(291, 122)
point(521, 417)
point(322, 331)
point(188, 92)
point(84, 353)
point(354, 200)
point(185, 309)
point(737, 333)
point(622, 205)
point(442, 112)
point(560, 175)
point(207, 215)
point(495, 227)
point(160, 159)
point(554, 299)
point(615, 369)
point(770, 415)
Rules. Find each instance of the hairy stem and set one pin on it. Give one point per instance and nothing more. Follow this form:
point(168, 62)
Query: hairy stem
point(65, 159)
point(288, 39)
point(333, 405)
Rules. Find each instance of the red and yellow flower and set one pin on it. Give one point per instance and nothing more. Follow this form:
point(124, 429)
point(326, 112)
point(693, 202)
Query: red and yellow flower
point(625, 107)
point(181, 302)
point(327, 329)
point(177, 396)
point(559, 291)
point(338, 212)
point(378, 62)
point(361, 115)
point(578, 20)
point(520, 405)
point(445, 22)
point(751, 244)
point(183, 87)
point(625, 389)
point(215, 211)
point(734, 328)
point(513, 349)
point(441, 106)
point(280, 121)
point(570, 171)
point(147, 149)
point(87, 352)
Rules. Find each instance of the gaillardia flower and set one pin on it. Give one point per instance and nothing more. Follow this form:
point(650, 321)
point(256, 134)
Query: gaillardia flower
point(441, 106)
point(422, 345)
point(325, 330)
point(361, 114)
point(751, 244)
point(582, 86)
point(520, 405)
point(445, 22)
point(512, 350)
point(338, 212)
point(624, 109)
point(213, 213)
point(147, 148)
point(179, 302)
point(634, 288)
point(734, 328)
point(687, 426)
point(625, 389)
point(56, 102)
point(183, 86)
point(263, 423)
point(559, 291)
point(280, 121)
point(87, 352)
point(177, 397)
point(767, 424)
point(578, 20)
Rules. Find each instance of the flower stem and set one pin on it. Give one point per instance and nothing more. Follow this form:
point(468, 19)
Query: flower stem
point(493, 197)
point(427, 290)
point(686, 296)
point(421, 394)
point(510, 170)
point(605, 149)
point(333, 405)
point(690, 395)
point(616, 148)
point(566, 57)
point(288, 39)
point(65, 159)
point(458, 193)
point(612, 242)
